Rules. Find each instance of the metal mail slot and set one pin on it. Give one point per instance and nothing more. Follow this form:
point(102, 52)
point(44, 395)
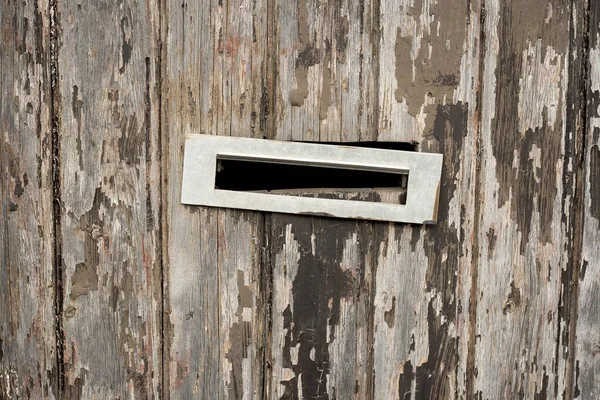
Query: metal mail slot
point(203, 151)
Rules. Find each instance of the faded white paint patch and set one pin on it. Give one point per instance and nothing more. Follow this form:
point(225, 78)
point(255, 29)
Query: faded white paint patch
point(400, 278)
point(300, 391)
point(539, 86)
point(285, 271)
point(235, 264)
point(350, 254)
point(549, 13)
point(594, 71)
point(294, 354)
point(535, 155)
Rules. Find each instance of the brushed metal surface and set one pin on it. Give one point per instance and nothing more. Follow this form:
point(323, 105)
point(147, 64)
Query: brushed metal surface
point(200, 163)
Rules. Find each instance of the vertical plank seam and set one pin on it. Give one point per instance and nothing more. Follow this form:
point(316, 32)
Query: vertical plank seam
point(221, 356)
point(229, 101)
point(372, 244)
point(370, 372)
point(56, 199)
point(477, 214)
point(361, 88)
point(579, 140)
point(266, 274)
point(161, 195)
point(376, 37)
point(270, 76)
point(266, 278)
point(163, 209)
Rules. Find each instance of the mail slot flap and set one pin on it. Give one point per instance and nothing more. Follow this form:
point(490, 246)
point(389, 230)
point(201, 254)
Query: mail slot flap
point(202, 153)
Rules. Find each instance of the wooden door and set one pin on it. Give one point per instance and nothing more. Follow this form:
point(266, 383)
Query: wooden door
point(112, 289)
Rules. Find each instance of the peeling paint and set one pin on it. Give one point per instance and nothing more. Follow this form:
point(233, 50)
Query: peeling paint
point(539, 87)
point(594, 181)
point(83, 280)
point(308, 55)
point(421, 53)
point(523, 195)
point(311, 301)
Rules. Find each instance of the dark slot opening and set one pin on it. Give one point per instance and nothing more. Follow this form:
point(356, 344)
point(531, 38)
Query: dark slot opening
point(402, 146)
point(304, 180)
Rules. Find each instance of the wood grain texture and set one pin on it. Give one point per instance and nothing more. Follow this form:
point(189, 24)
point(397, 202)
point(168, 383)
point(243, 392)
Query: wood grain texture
point(422, 55)
point(325, 66)
point(499, 299)
point(28, 366)
point(587, 361)
point(428, 86)
point(242, 303)
point(325, 57)
point(214, 65)
point(522, 347)
point(421, 276)
point(110, 179)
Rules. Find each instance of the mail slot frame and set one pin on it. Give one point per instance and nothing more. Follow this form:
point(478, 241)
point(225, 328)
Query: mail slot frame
point(200, 163)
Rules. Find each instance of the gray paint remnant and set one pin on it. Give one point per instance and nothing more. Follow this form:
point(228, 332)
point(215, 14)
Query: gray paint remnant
point(525, 177)
point(428, 54)
point(308, 55)
point(83, 280)
point(240, 336)
point(326, 83)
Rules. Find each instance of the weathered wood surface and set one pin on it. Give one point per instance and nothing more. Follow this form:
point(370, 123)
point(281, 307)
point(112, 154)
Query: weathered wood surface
point(107, 106)
point(28, 367)
point(427, 84)
point(159, 300)
point(587, 361)
point(323, 70)
point(213, 65)
point(522, 329)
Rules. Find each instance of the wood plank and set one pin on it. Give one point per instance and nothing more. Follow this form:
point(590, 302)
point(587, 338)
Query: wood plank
point(522, 335)
point(325, 56)
point(320, 307)
point(587, 349)
point(110, 180)
point(192, 348)
point(214, 70)
point(28, 367)
point(428, 88)
point(422, 61)
point(242, 305)
point(439, 126)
